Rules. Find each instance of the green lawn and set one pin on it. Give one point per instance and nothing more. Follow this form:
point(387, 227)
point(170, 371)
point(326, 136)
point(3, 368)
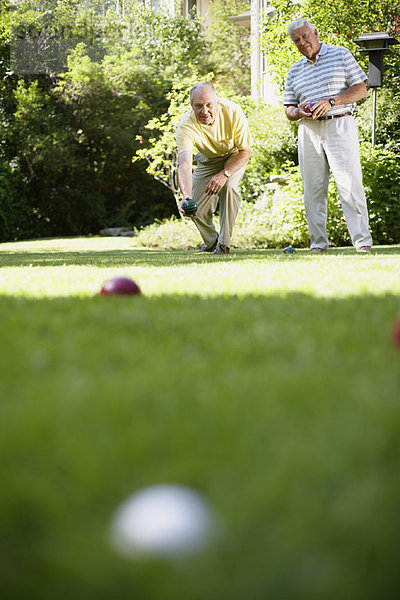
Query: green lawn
point(268, 382)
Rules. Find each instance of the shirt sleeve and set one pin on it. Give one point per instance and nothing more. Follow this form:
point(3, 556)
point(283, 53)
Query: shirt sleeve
point(354, 73)
point(184, 140)
point(242, 136)
point(289, 97)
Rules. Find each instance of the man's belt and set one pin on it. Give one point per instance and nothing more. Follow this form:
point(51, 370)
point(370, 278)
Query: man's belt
point(325, 118)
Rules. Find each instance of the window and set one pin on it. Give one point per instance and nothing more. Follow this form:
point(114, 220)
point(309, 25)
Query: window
point(188, 6)
point(153, 4)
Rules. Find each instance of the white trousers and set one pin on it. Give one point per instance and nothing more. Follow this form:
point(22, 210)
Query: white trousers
point(229, 197)
point(333, 144)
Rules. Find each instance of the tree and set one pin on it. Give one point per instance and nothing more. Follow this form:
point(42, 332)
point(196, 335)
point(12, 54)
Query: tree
point(68, 136)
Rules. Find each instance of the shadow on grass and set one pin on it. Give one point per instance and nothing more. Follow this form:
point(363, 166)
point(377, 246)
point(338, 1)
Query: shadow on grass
point(145, 257)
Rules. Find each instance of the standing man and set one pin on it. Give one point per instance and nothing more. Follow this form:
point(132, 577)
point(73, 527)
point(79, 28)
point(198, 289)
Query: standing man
point(219, 130)
point(330, 79)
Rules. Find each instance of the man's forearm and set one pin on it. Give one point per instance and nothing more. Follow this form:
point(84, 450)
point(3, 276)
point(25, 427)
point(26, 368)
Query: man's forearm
point(185, 176)
point(352, 94)
point(185, 182)
point(238, 160)
point(348, 96)
point(293, 113)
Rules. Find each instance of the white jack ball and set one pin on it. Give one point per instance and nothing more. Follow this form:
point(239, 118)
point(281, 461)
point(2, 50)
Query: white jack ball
point(164, 521)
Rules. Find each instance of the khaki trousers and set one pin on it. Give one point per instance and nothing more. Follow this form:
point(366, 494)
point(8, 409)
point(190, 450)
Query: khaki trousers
point(333, 145)
point(229, 197)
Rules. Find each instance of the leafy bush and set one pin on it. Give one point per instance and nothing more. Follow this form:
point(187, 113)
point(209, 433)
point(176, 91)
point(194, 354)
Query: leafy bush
point(169, 234)
point(16, 212)
point(381, 175)
point(72, 144)
point(387, 126)
point(275, 219)
point(275, 146)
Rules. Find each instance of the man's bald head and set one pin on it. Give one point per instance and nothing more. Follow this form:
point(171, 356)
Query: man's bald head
point(200, 86)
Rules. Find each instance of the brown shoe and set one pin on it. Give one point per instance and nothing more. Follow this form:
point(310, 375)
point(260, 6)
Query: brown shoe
point(205, 248)
point(363, 250)
point(221, 249)
point(317, 250)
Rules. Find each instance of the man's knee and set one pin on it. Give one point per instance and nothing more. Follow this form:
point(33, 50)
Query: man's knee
point(206, 206)
point(231, 193)
point(232, 185)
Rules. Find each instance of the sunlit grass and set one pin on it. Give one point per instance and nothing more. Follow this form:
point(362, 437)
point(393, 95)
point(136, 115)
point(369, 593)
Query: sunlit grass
point(78, 267)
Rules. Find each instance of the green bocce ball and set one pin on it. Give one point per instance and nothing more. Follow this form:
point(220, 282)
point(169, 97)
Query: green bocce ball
point(189, 207)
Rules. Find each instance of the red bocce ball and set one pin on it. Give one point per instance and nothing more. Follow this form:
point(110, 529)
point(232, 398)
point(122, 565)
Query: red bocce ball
point(120, 285)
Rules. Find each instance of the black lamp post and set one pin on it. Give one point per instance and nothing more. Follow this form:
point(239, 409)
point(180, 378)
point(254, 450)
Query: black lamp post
point(375, 44)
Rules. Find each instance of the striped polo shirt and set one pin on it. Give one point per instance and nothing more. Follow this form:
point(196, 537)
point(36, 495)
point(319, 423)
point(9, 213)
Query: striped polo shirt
point(334, 70)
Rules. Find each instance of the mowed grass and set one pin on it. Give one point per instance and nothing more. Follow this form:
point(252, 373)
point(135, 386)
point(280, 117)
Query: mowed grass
point(267, 382)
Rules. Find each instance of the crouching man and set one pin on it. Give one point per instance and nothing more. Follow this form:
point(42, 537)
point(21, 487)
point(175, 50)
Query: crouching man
point(219, 131)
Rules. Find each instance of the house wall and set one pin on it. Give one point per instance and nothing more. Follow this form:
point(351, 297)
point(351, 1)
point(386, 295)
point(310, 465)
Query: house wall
point(262, 85)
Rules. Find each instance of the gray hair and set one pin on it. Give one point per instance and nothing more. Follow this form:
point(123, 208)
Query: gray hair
point(300, 23)
point(198, 85)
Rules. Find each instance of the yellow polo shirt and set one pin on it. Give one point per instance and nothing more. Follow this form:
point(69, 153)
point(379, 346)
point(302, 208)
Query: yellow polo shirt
point(229, 132)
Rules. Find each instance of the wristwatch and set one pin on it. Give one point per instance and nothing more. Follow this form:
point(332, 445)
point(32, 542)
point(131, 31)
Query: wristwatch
point(332, 101)
point(227, 173)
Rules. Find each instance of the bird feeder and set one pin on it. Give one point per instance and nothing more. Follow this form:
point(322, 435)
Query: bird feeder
point(375, 44)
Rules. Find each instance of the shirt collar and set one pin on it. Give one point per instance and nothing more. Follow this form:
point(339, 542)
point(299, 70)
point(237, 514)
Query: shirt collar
point(323, 50)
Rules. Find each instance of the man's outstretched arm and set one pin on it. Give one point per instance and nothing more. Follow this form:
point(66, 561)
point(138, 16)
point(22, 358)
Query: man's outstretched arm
point(185, 161)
